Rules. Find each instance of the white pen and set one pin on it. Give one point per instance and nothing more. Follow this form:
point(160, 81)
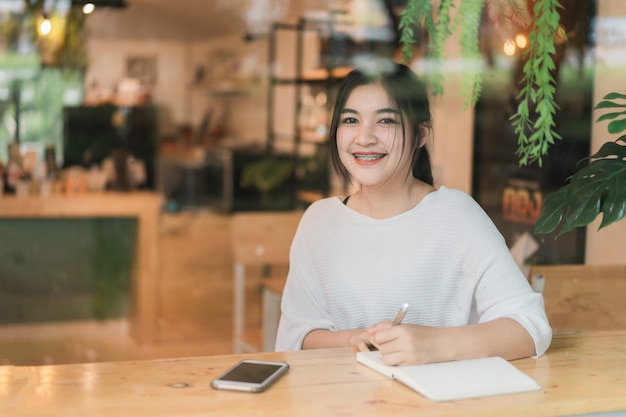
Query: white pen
point(401, 314)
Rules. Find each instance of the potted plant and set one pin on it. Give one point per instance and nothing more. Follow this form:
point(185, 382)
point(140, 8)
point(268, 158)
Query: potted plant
point(598, 187)
point(271, 177)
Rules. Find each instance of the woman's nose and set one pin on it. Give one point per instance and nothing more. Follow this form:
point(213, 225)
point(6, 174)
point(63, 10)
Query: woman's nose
point(365, 136)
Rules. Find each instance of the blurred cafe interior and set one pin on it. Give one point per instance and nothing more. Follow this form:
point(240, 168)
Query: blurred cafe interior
point(140, 140)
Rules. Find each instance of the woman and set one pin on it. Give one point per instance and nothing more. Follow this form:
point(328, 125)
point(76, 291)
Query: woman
point(356, 260)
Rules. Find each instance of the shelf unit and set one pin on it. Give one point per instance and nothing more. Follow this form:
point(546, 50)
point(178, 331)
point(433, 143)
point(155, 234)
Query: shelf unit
point(311, 171)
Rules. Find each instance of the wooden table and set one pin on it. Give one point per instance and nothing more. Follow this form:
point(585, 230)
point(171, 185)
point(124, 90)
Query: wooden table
point(581, 373)
point(145, 207)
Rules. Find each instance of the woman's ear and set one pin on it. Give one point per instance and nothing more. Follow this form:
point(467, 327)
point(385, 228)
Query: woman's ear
point(424, 132)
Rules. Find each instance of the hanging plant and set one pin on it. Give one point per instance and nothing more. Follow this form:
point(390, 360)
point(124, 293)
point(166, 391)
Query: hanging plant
point(64, 46)
point(534, 119)
point(600, 186)
point(72, 55)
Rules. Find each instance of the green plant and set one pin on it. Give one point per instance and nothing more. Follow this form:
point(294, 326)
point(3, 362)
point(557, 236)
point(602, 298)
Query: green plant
point(599, 187)
point(65, 48)
point(534, 120)
point(267, 174)
point(38, 118)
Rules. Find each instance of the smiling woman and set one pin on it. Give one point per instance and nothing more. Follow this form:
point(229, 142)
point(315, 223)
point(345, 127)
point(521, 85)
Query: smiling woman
point(397, 240)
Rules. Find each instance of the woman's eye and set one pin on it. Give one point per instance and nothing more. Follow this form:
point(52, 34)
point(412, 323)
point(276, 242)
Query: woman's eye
point(387, 121)
point(349, 120)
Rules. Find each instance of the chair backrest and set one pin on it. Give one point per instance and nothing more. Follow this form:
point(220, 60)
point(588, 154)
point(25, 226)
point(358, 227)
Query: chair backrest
point(582, 297)
point(263, 238)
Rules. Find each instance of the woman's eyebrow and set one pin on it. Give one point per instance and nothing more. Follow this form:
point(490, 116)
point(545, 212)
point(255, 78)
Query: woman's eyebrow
point(388, 110)
point(379, 111)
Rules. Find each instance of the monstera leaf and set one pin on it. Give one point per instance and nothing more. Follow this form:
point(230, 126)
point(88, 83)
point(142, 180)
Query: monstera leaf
point(599, 187)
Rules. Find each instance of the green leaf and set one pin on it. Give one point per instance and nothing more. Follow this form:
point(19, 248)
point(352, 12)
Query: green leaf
point(610, 116)
point(617, 126)
point(551, 211)
point(611, 149)
point(608, 105)
point(599, 187)
point(583, 202)
point(614, 206)
point(613, 96)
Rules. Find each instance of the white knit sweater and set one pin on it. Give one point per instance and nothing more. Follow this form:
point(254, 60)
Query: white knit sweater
point(444, 257)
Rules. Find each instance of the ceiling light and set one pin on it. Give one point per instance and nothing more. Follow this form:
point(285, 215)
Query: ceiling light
point(45, 27)
point(89, 8)
point(509, 47)
point(101, 3)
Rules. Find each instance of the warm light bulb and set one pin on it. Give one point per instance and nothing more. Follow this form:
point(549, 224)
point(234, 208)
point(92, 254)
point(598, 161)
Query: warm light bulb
point(89, 8)
point(509, 47)
point(45, 27)
point(521, 41)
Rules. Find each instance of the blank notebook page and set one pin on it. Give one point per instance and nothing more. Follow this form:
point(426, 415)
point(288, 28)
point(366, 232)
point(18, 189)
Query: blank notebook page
point(455, 380)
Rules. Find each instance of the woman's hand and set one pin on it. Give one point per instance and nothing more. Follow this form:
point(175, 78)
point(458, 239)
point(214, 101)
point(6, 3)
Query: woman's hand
point(321, 338)
point(407, 344)
point(362, 340)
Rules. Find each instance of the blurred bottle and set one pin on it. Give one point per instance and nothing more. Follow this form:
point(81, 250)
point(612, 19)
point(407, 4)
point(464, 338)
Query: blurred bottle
point(52, 170)
point(14, 169)
point(1, 178)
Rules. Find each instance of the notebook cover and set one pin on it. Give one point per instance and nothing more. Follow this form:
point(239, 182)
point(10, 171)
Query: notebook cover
point(455, 380)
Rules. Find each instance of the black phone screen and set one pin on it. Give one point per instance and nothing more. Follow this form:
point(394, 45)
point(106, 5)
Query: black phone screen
point(250, 372)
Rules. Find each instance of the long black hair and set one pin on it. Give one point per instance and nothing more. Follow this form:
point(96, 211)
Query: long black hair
point(408, 92)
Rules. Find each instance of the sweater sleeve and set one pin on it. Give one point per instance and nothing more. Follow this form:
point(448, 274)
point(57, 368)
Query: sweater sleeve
point(501, 289)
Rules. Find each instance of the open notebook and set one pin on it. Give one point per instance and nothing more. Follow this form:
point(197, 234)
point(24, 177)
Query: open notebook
point(455, 380)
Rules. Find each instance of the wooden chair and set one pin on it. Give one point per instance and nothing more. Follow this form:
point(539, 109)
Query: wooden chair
point(259, 239)
point(272, 297)
point(582, 297)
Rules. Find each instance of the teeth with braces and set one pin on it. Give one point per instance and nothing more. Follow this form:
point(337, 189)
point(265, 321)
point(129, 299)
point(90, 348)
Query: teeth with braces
point(368, 157)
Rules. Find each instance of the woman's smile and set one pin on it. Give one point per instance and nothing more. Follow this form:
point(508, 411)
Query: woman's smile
point(367, 158)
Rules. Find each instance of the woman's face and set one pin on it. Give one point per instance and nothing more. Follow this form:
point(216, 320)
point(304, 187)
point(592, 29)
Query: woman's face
point(370, 138)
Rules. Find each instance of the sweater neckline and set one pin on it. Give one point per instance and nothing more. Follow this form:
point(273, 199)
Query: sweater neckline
point(427, 197)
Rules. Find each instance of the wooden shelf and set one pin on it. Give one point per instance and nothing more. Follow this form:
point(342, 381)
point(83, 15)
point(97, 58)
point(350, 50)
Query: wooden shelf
point(323, 74)
point(224, 88)
point(315, 76)
point(306, 141)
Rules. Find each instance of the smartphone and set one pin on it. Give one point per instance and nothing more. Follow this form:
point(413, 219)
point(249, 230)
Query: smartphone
point(250, 375)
